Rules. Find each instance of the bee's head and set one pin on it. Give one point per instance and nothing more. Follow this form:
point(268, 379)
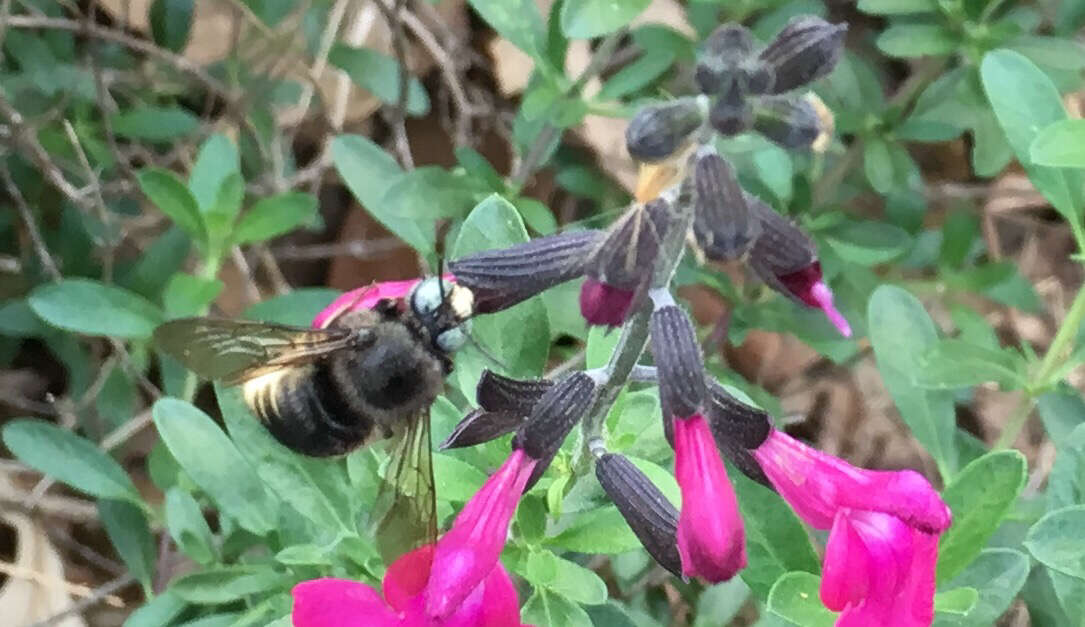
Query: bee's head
point(445, 310)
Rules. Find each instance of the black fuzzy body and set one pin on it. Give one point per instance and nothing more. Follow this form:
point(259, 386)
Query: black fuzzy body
point(353, 396)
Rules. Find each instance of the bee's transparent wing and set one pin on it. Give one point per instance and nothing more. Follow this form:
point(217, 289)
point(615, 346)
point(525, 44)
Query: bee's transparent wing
point(405, 513)
point(236, 350)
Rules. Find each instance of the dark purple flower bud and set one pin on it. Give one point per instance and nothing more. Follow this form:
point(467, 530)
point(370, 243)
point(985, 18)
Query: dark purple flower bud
point(559, 409)
point(621, 268)
point(786, 260)
point(504, 277)
point(724, 50)
point(644, 507)
point(738, 429)
point(497, 392)
point(790, 122)
point(731, 114)
point(658, 131)
point(804, 51)
point(679, 364)
point(482, 426)
point(723, 224)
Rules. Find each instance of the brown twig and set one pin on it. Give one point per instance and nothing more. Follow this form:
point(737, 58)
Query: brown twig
point(398, 115)
point(36, 240)
point(92, 598)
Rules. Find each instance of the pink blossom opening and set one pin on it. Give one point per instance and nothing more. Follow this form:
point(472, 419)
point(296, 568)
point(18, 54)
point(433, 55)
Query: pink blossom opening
point(711, 540)
point(603, 304)
point(807, 285)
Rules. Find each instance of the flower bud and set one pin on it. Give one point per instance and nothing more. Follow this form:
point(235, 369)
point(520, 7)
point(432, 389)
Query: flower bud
point(482, 426)
point(789, 122)
point(644, 507)
point(731, 114)
point(805, 50)
point(658, 131)
point(738, 428)
point(679, 364)
point(785, 259)
point(505, 403)
point(505, 277)
point(723, 224)
point(724, 50)
point(559, 409)
point(621, 268)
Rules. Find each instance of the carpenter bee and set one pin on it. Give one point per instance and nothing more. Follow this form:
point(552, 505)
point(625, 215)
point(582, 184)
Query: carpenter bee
point(367, 375)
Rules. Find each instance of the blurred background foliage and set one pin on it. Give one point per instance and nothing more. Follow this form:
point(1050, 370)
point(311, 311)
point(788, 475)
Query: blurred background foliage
point(164, 158)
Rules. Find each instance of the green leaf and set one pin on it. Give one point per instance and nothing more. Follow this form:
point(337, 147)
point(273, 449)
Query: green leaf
point(171, 21)
point(69, 458)
point(1025, 102)
point(379, 74)
point(980, 497)
point(952, 364)
point(997, 575)
point(367, 170)
point(217, 160)
point(776, 541)
point(553, 610)
point(429, 193)
point(956, 601)
point(878, 164)
point(901, 332)
point(214, 464)
point(297, 490)
point(521, 334)
point(273, 216)
point(160, 610)
point(600, 530)
point(1060, 145)
point(456, 479)
point(187, 295)
point(897, 7)
point(795, 597)
point(868, 243)
point(17, 319)
point(1062, 411)
point(917, 40)
point(187, 526)
point(720, 603)
point(229, 583)
point(154, 124)
point(516, 20)
point(1056, 541)
point(637, 75)
point(171, 196)
point(566, 578)
point(128, 530)
point(93, 308)
point(298, 307)
point(584, 19)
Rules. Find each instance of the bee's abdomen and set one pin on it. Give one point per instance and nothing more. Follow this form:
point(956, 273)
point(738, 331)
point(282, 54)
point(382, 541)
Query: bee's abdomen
point(306, 411)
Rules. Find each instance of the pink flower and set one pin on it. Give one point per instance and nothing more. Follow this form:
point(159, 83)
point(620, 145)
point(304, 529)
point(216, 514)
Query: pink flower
point(366, 297)
point(807, 285)
point(468, 553)
point(603, 304)
point(711, 541)
point(883, 543)
point(343, 603)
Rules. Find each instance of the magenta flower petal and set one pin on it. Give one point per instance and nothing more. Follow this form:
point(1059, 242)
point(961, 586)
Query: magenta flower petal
point(807, 285)
point(339, 603)
point(469, 551)
point(366, 297)
point(494, 603)
point(406, 577)
point(879, 571)
point(603, 304)
point(711, 541)
point(817, 485)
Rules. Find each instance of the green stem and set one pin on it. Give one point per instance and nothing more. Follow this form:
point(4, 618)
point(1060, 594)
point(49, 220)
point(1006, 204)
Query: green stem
point(634, 336)
point(1015, 423)
point(1063, 337)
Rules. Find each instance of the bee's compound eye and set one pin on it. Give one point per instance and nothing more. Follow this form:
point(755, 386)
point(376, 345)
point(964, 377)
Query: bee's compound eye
point(427, 297)
point(452, 339)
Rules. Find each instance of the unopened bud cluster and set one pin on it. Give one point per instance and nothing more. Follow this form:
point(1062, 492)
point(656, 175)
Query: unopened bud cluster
point(745, 87)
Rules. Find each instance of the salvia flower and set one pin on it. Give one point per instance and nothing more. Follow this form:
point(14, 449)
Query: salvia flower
point(505, 277)
point(789, 121)
point(645, 509)
point(786, 260)
point(620, 269)
point(807, 49)
point(504, 405)
point(558, 410)
point(884, 528)
point(333, 602)
point(711, 540)
point(465, 556)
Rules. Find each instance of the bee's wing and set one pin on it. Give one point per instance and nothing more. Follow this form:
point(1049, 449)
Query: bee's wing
point(236, 350)
point(405, 513)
